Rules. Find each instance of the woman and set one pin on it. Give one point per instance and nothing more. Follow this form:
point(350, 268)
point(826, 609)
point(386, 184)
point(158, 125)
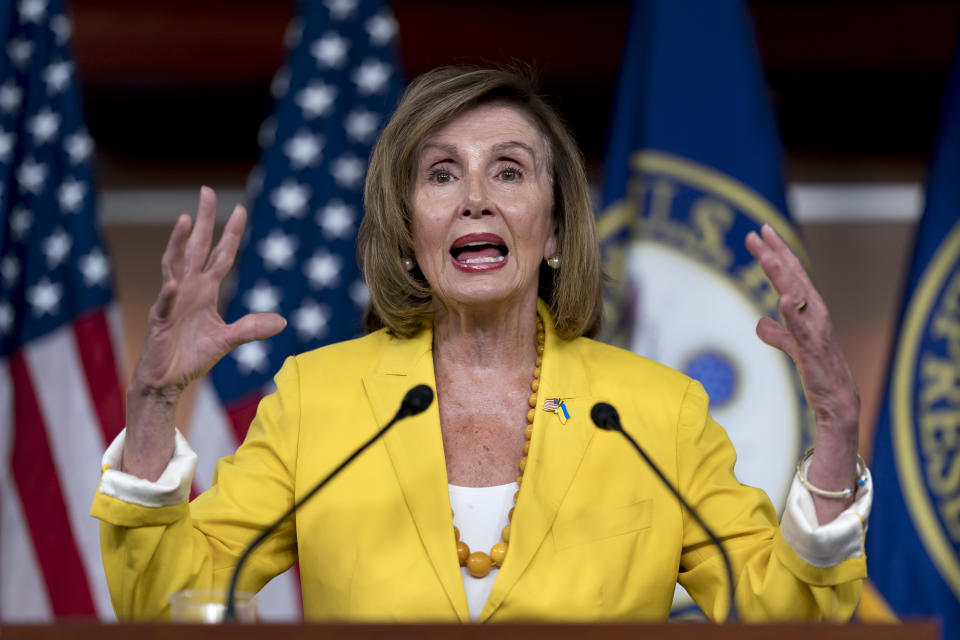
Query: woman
point(479, 251)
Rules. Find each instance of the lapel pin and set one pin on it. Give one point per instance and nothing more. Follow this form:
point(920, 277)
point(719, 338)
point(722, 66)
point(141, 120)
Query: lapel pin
point(557, 406)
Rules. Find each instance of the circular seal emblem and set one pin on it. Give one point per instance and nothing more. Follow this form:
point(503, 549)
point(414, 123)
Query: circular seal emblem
point(689, 295)
point(925, 408)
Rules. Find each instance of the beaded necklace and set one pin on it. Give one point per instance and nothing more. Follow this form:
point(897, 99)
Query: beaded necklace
point(478, 563)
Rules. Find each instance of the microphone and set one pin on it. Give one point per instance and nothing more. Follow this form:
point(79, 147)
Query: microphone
point(417, 400)
point(605, 417)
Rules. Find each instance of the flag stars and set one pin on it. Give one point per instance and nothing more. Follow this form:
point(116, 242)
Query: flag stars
point(78, 146)
point(340, 9)
point(267, 132)
point(60, 25)
point(359, 293)
point(7, 317)
point(361, 125)
point(330, 51)
point(251, 357)
point(57, 76)
point(262, 297)
point(9, 270)
point(11, 96)
point(336, 219)
point(20, 222)
point(280, 83)
point(277, 250)
point(371, 76)
point(95, 268)
point(303, 150)
point(71, 195)
point(44, 297)
point(323, 269)
point(347, 171)
point(381, 28)
point(316, 99)
point(7, 142)
point(44, 126)
point(290, 199)
point(310, 320)
point(56, 247)
point(293, 33)
point(31, 175)
point(20, 52)
point(32, 10)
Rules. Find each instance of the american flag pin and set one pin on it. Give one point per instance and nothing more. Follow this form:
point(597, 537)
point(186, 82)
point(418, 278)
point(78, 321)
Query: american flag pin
point(557, 406)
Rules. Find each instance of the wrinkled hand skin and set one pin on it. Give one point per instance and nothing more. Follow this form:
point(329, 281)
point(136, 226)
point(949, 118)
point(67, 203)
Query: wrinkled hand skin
point(186, 335)
point(808, 339)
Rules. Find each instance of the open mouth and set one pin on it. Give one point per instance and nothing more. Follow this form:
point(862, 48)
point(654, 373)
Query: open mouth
point(479, 252)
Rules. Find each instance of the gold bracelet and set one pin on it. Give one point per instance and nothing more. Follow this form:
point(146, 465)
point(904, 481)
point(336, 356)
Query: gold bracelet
point(845, 493)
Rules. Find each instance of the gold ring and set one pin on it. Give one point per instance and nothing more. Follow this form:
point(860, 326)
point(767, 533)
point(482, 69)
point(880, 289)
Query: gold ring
point(800, 306)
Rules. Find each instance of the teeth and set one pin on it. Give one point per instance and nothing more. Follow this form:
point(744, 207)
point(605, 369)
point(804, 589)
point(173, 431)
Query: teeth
point(474, 244)
point(483, 260)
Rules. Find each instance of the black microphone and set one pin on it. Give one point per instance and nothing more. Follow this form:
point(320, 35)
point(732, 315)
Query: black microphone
point(415, 401)
point(606, 417)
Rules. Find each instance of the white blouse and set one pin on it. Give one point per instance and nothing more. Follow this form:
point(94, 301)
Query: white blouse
point(481, 514)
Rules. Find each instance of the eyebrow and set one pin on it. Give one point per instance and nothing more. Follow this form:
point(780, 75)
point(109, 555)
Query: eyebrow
point(514, 144)
point(500, 147)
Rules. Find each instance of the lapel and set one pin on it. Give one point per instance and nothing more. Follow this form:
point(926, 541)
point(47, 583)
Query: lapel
point(555, 455)
point(415, 447)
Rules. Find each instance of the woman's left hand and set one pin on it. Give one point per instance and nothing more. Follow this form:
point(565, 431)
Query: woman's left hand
point(827, 381)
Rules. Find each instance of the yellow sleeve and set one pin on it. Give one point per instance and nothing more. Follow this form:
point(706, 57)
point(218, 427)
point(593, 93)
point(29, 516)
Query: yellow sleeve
point(151, 553)
point(772, 581)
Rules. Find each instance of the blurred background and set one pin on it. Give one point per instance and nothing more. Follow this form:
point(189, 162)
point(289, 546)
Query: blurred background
point(176, 91)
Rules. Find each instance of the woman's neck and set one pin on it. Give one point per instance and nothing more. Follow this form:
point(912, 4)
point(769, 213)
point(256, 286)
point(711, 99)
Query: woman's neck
point(500, 339)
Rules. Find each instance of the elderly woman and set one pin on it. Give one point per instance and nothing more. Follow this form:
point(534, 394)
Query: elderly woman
point(478, 247)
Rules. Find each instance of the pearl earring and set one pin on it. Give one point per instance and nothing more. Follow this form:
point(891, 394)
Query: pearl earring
point(408, 264)
point(554, 261)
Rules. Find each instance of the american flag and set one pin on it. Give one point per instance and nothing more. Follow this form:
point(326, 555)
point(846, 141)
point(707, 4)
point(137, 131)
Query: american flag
point(333, 96)
point(60, 394)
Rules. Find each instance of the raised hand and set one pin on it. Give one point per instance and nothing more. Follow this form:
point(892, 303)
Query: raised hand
point(186, 335)
point(809, 340)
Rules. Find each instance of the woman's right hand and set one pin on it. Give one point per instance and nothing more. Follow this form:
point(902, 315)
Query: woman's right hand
point(186, 335)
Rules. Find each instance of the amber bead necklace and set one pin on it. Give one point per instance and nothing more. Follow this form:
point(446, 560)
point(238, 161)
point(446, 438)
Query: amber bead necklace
point(478, 563)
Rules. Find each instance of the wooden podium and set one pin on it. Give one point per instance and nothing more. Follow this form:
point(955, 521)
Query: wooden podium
point(670, 631)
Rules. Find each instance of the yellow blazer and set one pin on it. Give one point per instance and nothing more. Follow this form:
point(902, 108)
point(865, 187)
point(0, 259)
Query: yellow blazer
point(594, 535)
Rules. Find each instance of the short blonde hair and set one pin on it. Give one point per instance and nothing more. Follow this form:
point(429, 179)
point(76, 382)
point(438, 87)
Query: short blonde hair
point(401, 300)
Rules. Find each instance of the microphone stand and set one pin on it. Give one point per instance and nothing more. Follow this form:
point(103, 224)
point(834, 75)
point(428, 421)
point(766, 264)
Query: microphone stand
point(605, 417)
point(415, 401)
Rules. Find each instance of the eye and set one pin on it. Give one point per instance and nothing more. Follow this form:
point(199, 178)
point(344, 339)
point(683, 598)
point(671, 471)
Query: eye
point(511, 174)
point(440, 175)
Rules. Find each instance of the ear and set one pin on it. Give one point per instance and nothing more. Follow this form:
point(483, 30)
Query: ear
point(552, 245)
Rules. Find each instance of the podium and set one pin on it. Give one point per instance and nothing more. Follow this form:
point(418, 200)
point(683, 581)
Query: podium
point(670, 631)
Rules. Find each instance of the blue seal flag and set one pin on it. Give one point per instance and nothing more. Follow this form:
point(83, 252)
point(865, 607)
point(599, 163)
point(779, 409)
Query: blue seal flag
point(913, 550)
point(693, 165)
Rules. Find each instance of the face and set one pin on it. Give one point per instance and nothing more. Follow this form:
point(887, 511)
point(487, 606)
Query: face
point(482, 208)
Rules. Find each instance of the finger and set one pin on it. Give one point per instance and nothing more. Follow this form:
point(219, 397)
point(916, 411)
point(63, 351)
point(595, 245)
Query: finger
point(165, 300)
point(198, 245)
point(171, 264)
point(223, 255)
point(776, 336)
point(254, 326)
point(786, 255)
point(780, 277)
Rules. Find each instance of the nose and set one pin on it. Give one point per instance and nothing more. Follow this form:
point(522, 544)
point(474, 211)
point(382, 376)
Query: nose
point(476, 202)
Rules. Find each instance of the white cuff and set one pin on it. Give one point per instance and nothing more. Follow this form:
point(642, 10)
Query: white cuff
point(172, 487)
point(826, 545)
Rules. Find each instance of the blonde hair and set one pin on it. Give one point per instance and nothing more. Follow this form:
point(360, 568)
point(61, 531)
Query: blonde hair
point(401, 300)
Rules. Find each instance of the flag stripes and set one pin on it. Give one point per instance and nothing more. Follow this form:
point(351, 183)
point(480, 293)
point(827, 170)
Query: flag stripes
point(94, 344)
point(43, 503)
